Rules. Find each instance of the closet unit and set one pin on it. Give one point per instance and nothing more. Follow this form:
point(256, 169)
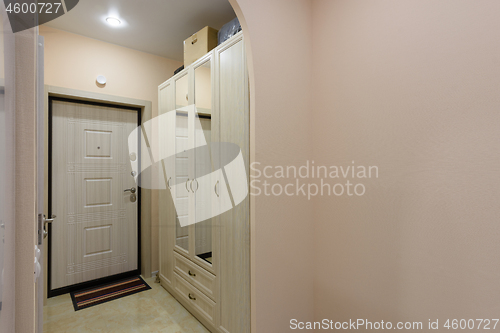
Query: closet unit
point(205, 254)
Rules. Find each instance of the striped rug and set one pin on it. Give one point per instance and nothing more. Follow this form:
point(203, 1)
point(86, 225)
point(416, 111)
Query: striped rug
point(104, 293)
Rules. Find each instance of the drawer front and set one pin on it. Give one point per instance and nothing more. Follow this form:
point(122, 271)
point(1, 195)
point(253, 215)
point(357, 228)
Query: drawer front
point(194, 274)
point(198, 301)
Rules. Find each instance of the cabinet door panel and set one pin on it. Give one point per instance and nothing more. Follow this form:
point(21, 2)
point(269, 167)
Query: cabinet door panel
point(167, 212)
point(204, 236)
point(233, 114)
point(182, 91)
point(202, 187)
point(182, 179)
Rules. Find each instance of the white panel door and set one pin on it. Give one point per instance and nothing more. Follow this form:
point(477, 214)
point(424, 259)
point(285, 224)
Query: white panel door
point(95, 234)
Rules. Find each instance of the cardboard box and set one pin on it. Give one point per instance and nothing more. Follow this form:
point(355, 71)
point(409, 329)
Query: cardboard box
point(199, 44)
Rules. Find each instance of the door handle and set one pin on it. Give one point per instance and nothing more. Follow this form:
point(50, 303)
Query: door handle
point(191, 185)
point(215, 188)
point(187, 185)
point(168, 183)
point(131, 190)
point(45, 222)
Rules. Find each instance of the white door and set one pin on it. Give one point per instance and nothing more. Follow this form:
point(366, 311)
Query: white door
point(95, 234)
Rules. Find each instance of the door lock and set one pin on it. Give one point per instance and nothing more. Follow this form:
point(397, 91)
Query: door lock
point(133, 196)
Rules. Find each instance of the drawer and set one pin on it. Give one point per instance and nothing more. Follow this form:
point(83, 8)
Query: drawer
point(194, 274)
point(196, 299)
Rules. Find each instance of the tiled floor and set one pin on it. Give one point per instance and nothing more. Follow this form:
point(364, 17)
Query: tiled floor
point(149, 311)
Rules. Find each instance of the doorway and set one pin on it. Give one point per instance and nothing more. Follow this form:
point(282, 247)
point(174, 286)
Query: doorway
point(93, 199)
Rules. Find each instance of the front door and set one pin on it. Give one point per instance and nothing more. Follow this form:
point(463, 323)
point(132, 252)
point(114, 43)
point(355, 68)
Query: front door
point(93, 193)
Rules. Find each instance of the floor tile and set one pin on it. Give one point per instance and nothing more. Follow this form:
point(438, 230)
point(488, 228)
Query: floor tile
point(149, 311)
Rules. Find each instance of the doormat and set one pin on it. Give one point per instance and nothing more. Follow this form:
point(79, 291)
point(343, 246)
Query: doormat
point(86, 298)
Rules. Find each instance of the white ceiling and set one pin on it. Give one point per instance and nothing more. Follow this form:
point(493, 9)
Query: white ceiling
point(153, 26)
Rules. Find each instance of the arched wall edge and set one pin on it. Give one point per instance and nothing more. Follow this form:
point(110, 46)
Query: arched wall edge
point(248, 49)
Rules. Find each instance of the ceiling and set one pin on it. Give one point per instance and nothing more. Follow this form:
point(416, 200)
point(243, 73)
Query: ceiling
point(153, 26)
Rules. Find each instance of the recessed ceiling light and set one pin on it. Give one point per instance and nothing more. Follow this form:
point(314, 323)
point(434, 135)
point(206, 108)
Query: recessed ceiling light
point(113, 21)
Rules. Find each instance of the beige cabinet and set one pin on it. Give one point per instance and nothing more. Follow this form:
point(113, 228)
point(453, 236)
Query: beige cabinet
point(204, 223)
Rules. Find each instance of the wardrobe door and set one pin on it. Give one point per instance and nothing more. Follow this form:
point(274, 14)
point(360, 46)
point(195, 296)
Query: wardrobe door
point(166, 132)
point(183, 164)
point(233, 117)
point(204, 236)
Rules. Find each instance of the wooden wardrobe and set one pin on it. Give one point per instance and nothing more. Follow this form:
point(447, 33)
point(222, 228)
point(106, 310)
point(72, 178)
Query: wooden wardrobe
point(205, 265)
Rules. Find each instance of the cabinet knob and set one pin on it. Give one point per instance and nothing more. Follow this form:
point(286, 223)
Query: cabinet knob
point(191, 297)
point(191, 274)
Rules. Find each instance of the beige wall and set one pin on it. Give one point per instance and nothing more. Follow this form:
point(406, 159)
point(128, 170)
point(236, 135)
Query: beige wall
point(408, 86)
point(411, 86)
point(73, 61)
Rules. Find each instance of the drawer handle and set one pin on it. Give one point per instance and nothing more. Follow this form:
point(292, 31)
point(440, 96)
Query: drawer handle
point(191, 297)
point(191, 274)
